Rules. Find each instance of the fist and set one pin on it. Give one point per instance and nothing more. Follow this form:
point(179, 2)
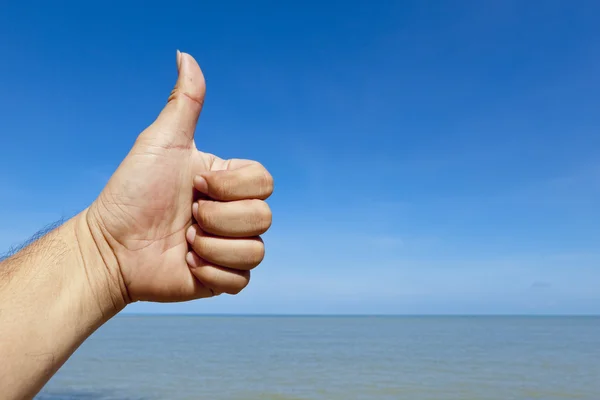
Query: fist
point(229, 214)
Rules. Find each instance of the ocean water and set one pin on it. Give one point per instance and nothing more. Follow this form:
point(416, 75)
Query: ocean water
point(281, 358)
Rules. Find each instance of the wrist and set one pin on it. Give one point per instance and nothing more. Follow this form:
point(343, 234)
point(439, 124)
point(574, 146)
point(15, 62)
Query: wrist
point(100, 266)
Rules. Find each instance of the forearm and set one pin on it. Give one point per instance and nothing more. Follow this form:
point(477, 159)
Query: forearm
point(53, 295)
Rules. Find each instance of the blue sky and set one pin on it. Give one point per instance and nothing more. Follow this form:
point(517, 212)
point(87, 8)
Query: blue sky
point(429, 157)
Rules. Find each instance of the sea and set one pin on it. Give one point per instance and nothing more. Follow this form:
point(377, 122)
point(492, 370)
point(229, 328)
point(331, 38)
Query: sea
point(340, 357)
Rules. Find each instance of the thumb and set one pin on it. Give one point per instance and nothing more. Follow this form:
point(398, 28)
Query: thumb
point(176, 123)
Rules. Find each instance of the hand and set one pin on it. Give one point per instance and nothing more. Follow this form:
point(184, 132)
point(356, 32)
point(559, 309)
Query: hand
point(141, 219)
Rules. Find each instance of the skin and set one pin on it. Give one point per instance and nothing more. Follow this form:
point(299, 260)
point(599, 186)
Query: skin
point(172, 224)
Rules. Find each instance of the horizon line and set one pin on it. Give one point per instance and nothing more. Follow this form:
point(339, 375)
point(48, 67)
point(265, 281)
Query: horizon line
point(177, 314)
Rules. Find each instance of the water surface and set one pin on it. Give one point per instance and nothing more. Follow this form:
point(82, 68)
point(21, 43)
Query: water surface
point(281, 358)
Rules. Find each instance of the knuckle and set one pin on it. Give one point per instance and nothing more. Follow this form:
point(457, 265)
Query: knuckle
point(265, 180)
point(173, 95)
point(259, 253)
point(241, 284)
point(268, 184)
point(261, 216)
point(265, 215)
point(255, 254)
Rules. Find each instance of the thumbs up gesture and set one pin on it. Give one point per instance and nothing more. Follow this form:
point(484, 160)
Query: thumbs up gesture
point(175, 223)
